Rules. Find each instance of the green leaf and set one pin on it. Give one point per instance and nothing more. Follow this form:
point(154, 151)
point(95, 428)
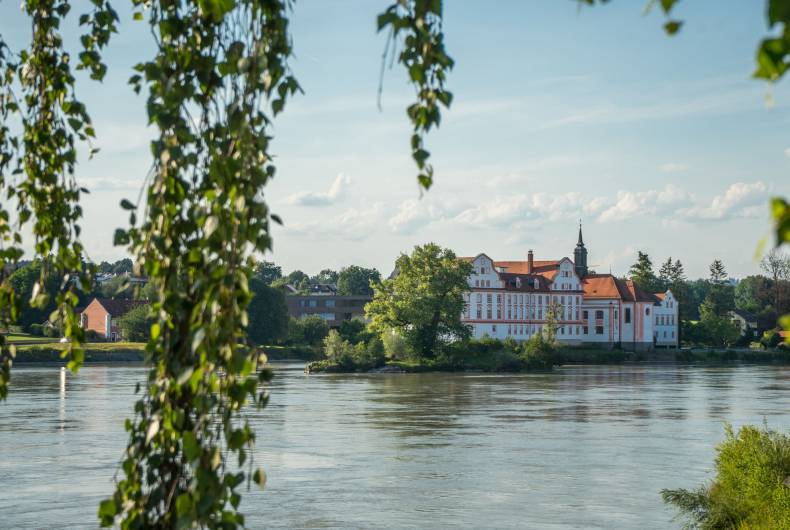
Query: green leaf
point(259, 477)
point(107, 512)
point(191, 446)
point(672, 26)
point(127, 205)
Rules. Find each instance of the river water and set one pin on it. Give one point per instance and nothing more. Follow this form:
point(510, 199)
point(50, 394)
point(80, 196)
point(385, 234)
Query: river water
point(582, 447)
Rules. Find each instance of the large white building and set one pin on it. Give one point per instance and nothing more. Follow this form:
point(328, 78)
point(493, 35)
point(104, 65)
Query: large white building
point(514, 298)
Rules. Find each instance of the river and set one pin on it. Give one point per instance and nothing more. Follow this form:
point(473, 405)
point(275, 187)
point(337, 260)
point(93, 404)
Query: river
point(582, 447)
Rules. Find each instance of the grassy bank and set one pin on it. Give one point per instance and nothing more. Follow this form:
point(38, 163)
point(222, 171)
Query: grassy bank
point(102, 352)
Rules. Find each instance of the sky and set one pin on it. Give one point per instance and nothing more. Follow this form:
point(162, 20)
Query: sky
point(664, 145)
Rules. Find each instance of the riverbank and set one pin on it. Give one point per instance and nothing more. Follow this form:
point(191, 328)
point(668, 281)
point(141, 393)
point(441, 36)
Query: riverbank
point(502, 362)
point(99, 352)
point(126, 352)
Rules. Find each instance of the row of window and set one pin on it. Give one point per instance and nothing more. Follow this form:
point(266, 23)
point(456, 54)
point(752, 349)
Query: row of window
point(665, 320)
point(529, 299)
point(330, 302)
point(521, 329)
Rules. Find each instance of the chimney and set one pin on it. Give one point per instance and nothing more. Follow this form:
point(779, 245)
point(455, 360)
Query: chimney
point(530, 258)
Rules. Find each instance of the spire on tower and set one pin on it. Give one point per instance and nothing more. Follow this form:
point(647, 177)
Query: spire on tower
point(581, 241)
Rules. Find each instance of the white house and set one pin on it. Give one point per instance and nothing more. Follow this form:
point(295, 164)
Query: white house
point(513, 299)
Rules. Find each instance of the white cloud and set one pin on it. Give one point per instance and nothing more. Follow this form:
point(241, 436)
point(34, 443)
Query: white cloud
point(740, 200)
point(787, 152)
point(673, 167)
point(629, 204)
point(321, 198)
point(352, 224)
point(414, 214)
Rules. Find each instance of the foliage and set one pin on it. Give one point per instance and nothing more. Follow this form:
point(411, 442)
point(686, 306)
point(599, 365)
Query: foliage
point(267, 272)
point(42, 119)
point(719, 330)
point(771, 338)
point(309, 330)
point(268, 314)
point(343, 356)
point(419, 23)
point(395, 347)
point(423, 302)
point(357, 281)
point(135, 325)
point(753, 293)
point(24, 281)
point(749, 490)
point(354, 331)
point(642, 273)
point(539, 353)
point(325, 276)
point(718, 273)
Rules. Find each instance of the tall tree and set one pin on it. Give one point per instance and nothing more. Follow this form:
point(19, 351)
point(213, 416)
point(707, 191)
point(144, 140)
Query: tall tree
point(355, 280)
point(268, 272)
point(325, 276)
point(642, 273)
point(268, 313)
point(776, 264)
point(424, 301)
point(718, 273)
point(666, 273)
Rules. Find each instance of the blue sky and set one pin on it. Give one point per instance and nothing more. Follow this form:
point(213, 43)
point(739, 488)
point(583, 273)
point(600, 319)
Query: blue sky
point(659, 144)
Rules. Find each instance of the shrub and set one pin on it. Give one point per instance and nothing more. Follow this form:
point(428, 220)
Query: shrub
point(771, 338)
point(37, 330)
point(354, 331)
point(395, 347)
point(92, 335)
point(369, 355)
point(310, 330)
point(748, 491)
point(341, 355)
point(539, 353)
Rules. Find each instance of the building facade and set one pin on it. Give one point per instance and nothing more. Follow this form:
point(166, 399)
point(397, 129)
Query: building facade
point(324, 302)
point(520, 298)
point(102, 314)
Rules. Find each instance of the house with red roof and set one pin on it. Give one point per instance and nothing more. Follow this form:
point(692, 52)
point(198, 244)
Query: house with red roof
point(102, 315)
point(515, 298)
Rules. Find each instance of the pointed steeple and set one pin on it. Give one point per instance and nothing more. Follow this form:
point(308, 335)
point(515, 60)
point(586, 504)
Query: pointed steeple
point(580, 255)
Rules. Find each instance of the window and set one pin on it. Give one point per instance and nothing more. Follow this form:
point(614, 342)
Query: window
point(647, 311)
point(488, 312)
point(312, 303)
point(488, 283)
point(330, 303)
point(599, 314)
point(586, 329)
point(562, 300)
point(508, 329)
point(488, 298)
point(479, 311)
point(585, 315)
point(482, 270)
point(493, 328)
point(479, 298)
point(627, 315)
point(562, 330)
point(599, 330)
point(477, 283)
point(577, 313)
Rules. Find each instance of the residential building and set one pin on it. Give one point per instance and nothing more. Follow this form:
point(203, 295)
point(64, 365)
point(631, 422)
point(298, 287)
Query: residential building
point(516, 298)
point(102, 314)
point(745, 321)
point(323, 301)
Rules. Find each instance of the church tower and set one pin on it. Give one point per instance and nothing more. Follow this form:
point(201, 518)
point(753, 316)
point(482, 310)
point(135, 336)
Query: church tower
point(580, 256)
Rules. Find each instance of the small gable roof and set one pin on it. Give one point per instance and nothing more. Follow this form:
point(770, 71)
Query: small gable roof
point(118, 307)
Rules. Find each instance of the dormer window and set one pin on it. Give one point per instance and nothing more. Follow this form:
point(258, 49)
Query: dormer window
point(518, 282)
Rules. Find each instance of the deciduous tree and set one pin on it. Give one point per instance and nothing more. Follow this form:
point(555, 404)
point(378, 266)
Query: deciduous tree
point(423, 302)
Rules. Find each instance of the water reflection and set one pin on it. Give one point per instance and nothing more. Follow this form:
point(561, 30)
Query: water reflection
point(586, 447)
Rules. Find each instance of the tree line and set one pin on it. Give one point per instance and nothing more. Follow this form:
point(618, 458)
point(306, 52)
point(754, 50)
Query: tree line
point(705, 303)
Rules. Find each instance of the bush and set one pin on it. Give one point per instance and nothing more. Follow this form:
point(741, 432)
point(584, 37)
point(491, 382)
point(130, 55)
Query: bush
point(354, 331)
point(92, 335)
point(395, 347)
point(538, 353)
point(36, 329)
point(135, 325)
point(748, 491)
point(771, 338)
point(342, 356)
point(310, 330)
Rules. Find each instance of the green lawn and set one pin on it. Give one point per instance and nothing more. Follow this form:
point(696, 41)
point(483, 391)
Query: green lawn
point(21, 338)
point(90, 346)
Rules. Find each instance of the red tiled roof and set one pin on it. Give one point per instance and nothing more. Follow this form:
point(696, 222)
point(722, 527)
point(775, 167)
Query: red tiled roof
point(607, 286)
